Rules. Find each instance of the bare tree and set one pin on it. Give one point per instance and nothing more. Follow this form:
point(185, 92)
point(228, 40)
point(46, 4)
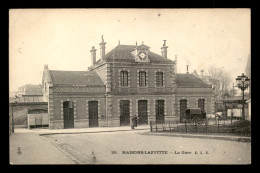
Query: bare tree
point(220, 79)
point(225, 81)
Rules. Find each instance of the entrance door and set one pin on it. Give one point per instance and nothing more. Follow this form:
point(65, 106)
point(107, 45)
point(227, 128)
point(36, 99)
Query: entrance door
point(183, 107)
point(124, 113)
point(159, 111)
point(68, 114)
point(201, 104)
point(142, 112)
point(93, 113)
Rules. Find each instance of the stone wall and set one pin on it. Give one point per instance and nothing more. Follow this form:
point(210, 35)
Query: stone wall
point(20, 111)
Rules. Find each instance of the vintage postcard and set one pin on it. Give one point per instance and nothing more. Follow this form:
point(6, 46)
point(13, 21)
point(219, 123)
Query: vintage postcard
point(130, 86)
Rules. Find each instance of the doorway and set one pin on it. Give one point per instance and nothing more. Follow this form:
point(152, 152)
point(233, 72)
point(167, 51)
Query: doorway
point(93, 113)
point(183, 107)
point(142, 112)
point(68, 114)
point(159, 111)
point(124, 113)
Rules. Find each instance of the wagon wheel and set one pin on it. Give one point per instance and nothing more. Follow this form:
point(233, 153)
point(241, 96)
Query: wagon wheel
point(203, 121)
point(199, 121)
point(195, 120)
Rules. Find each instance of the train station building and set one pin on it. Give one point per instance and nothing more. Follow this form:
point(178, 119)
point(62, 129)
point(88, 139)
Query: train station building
point(128, 80)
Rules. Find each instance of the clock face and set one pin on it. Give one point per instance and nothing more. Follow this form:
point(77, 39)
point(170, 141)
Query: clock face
point(142, 55)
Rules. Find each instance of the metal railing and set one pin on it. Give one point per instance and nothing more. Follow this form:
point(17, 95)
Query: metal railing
point(221, 125)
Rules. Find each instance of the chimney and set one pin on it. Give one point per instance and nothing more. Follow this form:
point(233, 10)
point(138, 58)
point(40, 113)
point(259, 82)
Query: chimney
point(164, 49)
point(93, 55)
point(187, 69)
point(201, 73)
point(102, 48)
point(46, 67)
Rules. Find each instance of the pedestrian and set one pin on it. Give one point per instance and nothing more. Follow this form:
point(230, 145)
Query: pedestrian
point(132, 122)
point(136, 119)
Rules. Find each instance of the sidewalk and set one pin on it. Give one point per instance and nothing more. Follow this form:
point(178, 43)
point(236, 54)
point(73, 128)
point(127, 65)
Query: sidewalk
point(46, 131)
point(30, 148)
point(81, 130)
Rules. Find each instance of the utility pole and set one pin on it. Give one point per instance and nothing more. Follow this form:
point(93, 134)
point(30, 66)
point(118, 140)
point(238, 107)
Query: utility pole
point(12, 117)
point(233, 90)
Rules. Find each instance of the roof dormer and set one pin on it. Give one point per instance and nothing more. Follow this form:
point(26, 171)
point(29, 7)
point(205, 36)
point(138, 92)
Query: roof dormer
point(141, 53)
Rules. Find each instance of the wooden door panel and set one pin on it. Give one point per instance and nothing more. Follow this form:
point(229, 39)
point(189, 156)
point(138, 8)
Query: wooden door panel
point(159, 111)
point(124, 112)
point(68, 114)
point(183, 107)
point(142, 112)
point(93, 113)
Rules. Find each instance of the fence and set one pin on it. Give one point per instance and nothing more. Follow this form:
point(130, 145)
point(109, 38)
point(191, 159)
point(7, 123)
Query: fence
point(199, 126)
point(10, 124)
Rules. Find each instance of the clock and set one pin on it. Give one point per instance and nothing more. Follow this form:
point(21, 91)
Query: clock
point(142, 55)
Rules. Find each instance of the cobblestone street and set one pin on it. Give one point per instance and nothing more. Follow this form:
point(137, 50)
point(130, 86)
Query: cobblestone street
point(134, 147)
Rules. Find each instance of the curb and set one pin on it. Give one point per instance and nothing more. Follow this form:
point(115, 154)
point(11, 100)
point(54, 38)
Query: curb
point(89, 132)
point(237, 139)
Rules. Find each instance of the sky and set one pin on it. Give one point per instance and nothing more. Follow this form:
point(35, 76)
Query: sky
point(63, 38)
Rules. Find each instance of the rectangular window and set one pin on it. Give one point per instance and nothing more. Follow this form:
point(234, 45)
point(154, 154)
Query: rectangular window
point(142, 78)
point(124, 78)
point(159, 78)
point(201, 103)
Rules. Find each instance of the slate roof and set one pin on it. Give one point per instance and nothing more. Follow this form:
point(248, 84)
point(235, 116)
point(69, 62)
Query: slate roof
point(123, 52)
point(80, 78)
point(190, 81)
point(30, 89)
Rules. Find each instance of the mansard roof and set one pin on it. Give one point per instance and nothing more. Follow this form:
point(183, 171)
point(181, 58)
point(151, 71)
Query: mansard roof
point(190, 81)
point(75, 78)
point(122, 52)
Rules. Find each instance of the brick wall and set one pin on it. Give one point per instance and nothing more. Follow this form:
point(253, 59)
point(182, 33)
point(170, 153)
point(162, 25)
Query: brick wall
point(192, 95)
point(133, 78)
point(80, 108)
point(151, 100)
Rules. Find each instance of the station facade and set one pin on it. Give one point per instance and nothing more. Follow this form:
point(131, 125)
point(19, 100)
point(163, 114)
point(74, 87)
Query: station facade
point(129, 80)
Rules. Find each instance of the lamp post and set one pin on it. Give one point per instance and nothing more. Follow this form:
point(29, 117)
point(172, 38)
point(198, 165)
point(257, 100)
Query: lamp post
point(242, 83)
point(12, 105)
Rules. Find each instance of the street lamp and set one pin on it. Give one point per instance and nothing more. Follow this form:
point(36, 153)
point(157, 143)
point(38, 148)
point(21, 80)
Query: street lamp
point(242, 83)
point(12, 104)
